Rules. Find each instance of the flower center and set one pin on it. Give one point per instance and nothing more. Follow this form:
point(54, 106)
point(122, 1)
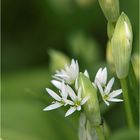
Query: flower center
point(77, 103)
point(105, 97)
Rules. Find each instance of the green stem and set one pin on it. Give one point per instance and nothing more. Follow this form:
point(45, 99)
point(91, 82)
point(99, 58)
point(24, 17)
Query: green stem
point(99, 131)
point(127, 104)
point(133, 83)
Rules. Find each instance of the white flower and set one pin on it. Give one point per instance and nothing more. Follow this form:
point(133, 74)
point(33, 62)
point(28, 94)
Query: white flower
point(76, 100)
point(69, 73)
point(59, 100)
point(101, 77)
point(108, 96)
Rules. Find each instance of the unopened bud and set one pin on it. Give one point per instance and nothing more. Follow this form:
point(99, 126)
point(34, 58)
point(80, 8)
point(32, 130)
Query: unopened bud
point(110, 29)
point(109, 57)
point(110, 9)
point(57, 60)
point(122, 45)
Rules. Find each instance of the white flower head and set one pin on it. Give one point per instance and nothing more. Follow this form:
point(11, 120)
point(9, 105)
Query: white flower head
point(76, 100)
point(101, 77)
point(69, 73)
point(108, 96)
point(59, 100)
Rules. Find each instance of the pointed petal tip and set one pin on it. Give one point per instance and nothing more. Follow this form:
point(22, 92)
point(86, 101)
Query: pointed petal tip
point(86, 73)
point(70, 111)
point(47, 89)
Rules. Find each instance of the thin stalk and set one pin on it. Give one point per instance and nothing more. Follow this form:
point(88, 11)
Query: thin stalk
point(133, 83)
point(99, 132)
point(127, 104)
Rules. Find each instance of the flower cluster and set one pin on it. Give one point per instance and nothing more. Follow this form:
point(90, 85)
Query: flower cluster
point(65, 78)
point(105, 88)
point(67, 95)
point(100, 82)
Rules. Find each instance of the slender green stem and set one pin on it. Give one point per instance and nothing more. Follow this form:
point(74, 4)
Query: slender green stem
point(99, 131)
point(127, 104)
point(133, 83)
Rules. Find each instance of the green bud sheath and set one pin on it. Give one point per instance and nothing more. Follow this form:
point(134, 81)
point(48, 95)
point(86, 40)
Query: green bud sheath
point(91, 107)
point(109, 57)
point(110, 9)
point(110, 29)
point(57, 60)
point(122, 45)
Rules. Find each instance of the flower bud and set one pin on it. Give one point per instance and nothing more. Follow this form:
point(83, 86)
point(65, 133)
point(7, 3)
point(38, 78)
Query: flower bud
point(110, 29)
point(110, 9)
point(91, 107)
point(122, 45)
point(109, 57)
point(57, 60)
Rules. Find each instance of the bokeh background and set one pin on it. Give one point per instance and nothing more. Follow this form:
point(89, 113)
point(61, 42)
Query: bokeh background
point(40, 36)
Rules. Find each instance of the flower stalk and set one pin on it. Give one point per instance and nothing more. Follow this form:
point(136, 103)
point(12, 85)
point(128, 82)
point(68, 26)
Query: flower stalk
point(99, 131)
point(127, 104)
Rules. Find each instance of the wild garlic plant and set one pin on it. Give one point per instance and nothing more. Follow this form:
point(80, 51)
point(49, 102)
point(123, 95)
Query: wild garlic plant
point(77, 92)
point(120, 35)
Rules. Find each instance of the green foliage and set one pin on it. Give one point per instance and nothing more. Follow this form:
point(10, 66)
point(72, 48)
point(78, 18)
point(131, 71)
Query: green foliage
point(23, 100)
point(125, 135)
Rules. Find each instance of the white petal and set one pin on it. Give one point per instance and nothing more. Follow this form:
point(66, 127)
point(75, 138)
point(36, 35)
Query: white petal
point(104, 76)
point(114, 100)
point(53, 94)
point(86, 73)
point(84, 100)
point(72, 62)
point(70, 111)
point(115, 93)
point(107, 103)
point(76, 84)
point(71, 93)
point(64, 92)
point(61, 75)
point(53, 106)
point(98, 73)
point(56, 83)
point(68, 102)
point(100, 88)
point(109, 86)
point(77, 67)
point(78, 108)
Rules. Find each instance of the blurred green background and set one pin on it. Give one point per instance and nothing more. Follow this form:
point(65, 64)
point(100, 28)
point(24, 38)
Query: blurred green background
point(38, 37)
